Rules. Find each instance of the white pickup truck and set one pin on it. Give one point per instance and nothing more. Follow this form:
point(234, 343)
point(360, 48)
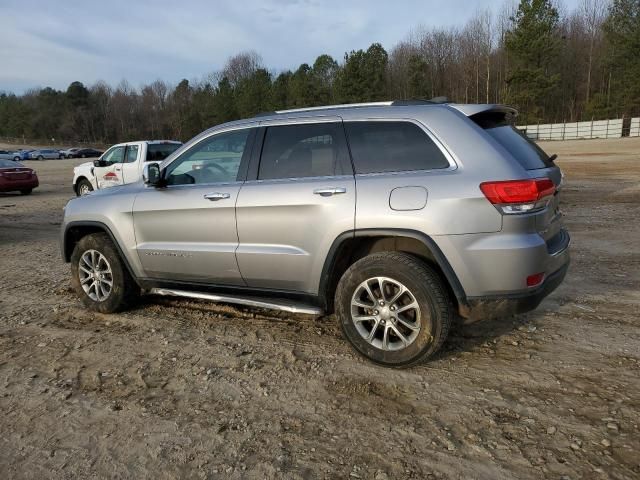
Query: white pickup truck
point(120, 164)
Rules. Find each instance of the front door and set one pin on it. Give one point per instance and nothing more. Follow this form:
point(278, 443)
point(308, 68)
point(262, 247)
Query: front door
point(131, 165)
point(301, 198)
point(187, 230)
point(111, 174)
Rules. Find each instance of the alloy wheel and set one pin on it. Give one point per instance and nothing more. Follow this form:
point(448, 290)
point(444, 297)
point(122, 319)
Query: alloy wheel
point(385, 313)
point(96, 277)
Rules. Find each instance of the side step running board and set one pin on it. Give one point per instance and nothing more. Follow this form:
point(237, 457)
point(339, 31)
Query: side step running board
point(273, 304)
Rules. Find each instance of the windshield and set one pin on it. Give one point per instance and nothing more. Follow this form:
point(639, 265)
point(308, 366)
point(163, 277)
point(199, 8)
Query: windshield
point(160, 151)
point(500, 126)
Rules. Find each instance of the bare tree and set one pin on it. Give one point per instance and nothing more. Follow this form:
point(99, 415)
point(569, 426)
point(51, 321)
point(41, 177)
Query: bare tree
point(241, 66)
point(593, 13)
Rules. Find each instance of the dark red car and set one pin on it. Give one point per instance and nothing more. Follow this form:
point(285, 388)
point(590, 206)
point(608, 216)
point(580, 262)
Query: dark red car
point(15, 177)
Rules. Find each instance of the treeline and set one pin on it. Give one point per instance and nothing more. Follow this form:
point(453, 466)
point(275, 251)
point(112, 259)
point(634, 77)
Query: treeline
point(552, 65)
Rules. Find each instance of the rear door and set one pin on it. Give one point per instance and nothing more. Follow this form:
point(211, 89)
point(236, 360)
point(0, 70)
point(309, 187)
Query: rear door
point(300, 195)
point(187, 230)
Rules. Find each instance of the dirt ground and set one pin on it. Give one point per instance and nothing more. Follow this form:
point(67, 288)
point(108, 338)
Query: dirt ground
point(188, 389)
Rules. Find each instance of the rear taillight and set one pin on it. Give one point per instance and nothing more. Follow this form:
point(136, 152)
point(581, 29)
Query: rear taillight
point(519, 196)
point(535, 279)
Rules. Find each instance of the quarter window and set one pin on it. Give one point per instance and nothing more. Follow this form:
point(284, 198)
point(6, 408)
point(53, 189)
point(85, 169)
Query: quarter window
point(303, 150)
point(378, 147)
point(214, 160)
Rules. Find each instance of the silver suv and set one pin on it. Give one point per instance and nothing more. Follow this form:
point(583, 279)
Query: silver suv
point(396, 216)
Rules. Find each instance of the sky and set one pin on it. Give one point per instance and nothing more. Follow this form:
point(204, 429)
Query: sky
point(54, 42)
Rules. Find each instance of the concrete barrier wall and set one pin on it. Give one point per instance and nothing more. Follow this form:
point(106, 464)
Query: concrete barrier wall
point(576, 130)
point(634, 131)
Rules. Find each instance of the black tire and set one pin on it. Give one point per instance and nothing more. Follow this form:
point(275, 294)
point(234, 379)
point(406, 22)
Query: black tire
point(424, 284)
point(83, 183)
point(60, 157)
point(16, 159)
point(83, 156)
point(40, 157)
point(124, 290)
point(26, 191)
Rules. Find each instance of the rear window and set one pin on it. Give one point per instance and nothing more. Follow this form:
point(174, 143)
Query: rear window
point(160, 151)
point(500, 126)
point(10, 164)
point(378, 147)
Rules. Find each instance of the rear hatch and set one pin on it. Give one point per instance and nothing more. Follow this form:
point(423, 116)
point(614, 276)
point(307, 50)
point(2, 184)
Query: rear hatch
point(499, 124)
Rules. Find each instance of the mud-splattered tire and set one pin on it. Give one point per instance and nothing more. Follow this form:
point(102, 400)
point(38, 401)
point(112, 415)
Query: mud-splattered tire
point(410, 313)
point(93, 256)
point(83, 187)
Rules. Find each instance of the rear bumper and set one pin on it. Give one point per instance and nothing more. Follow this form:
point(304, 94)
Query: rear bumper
point(494, 306)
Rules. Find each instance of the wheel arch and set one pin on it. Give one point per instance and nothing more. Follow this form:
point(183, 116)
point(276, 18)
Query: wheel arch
point(75, 231)
point(352, 245)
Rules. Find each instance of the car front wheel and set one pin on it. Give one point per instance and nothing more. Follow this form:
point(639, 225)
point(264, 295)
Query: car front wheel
point(393, 308)
point(99, 276)
point(83, 187)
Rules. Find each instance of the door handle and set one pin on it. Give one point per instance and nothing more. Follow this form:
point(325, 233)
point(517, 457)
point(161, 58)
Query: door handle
point(118, 169)
point(215, 196)
point(328, 191)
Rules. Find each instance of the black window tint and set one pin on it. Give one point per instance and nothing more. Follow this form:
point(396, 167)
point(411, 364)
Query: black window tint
point(160, 151)
point(525, 151)
point(305, 150)
point(392, 147)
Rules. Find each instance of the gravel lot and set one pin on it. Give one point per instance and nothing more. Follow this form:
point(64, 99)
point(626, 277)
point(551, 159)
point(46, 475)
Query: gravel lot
point(190, 389)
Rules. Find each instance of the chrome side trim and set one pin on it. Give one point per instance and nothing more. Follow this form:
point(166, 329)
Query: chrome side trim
point(273, 304)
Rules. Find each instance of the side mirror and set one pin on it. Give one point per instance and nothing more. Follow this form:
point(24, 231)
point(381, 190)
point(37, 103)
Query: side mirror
point(100, 163)
point(151, 174)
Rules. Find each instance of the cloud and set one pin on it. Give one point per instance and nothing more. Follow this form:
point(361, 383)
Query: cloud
point(54, 43)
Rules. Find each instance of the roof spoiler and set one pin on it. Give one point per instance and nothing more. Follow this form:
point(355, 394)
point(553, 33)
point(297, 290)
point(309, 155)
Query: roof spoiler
point(471, 109)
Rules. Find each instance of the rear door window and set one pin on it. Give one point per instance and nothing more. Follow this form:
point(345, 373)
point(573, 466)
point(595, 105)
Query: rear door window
point(526, 152)
point(303, 150)
point(378, 147)
point(160, 151)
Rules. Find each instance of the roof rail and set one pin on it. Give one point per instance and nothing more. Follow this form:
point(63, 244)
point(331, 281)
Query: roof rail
point(394, 103)
point(332, 107)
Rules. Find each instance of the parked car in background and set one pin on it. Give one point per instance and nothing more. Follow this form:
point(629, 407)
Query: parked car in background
point(120, 164)
point(15, 177)
point(8, 155)
point(69, 152)
point(44, 154)
point(22, 155)
point(86, 153)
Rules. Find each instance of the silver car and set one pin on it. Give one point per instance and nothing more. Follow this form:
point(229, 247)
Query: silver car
point(45, 154)
point(9, 155)
point(396, 216)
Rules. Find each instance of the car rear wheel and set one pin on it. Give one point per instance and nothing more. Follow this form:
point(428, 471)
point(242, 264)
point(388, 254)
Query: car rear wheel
point(83, 187)
point(393, 308)
point(40, 157)
point(99, 276)
point(26, 191)
point(16, 159)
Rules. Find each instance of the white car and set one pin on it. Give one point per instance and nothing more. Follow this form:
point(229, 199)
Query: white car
point(120, 164)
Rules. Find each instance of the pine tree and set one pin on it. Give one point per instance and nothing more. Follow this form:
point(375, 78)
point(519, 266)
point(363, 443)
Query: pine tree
point(533, 45)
